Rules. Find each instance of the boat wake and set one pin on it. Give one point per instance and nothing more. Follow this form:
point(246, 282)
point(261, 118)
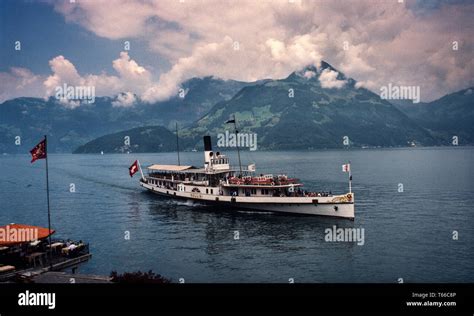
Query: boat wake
point(97, 181)
point(255, 212)
point(188, 203)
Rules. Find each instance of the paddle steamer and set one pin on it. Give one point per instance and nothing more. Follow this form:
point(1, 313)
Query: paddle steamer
point(216, 182)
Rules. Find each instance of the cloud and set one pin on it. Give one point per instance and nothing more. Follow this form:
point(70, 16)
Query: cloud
point(129, 70)
point(308, 74)
point(328, 79)
point(369, 84)
point(229, 59)
point(387, 41)
point(20, 82)
point(231, 41)
point(127, 99)
point(131, 77)
point(114, 20)
point(63, 72)
point(374, 43)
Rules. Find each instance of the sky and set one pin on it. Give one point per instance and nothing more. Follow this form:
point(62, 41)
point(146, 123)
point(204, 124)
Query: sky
point(83, 42)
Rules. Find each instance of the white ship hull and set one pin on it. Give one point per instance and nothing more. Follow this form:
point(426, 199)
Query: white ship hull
point(334, 205)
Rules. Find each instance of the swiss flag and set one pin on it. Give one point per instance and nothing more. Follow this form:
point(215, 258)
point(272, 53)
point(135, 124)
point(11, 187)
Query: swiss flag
point(133, 168)
point(39, 152)
point(346, 168)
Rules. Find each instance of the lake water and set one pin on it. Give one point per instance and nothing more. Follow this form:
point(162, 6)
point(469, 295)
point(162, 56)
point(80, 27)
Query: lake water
point(408, 234)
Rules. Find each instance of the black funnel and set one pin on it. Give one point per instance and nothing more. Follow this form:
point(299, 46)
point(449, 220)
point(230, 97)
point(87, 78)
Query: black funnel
point(207, 143)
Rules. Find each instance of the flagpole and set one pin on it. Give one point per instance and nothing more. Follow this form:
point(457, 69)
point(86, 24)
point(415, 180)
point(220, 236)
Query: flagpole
point(141, 171)
point(237, 144)
point(47, 193)
point(177, 144)
point(350, 178)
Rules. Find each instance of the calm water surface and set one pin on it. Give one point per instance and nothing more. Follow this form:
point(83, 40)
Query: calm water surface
point(407, 234)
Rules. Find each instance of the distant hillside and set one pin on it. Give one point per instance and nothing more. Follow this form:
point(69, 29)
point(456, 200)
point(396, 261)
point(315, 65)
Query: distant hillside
point(316, 117)
point(30, 118)
point(142, 139)
point(319, 117)
point(298, 112)
point(451, 115)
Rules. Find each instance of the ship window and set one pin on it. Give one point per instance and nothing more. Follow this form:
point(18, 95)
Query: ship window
point(253, 191)
point(212, 191)
point(207, 191)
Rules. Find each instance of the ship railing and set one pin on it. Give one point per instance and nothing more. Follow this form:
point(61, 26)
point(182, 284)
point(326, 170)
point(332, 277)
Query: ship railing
point(302, 193)
point(159, 176)
point(267, 182)
point(318, 194)
point(169, 178)
point(195, 182)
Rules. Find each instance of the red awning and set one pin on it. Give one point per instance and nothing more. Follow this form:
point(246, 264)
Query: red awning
point(14, 234)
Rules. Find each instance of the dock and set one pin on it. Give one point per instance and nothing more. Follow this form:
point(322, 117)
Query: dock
point(63, 277)
point(26, 275)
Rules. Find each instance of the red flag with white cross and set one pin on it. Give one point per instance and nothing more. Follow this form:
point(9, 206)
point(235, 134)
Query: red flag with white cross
point(133, 168)
point(39, 151)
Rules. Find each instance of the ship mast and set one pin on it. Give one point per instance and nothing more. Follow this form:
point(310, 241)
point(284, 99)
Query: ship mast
point(350, 178)
point(237, 144)
point(177, 143)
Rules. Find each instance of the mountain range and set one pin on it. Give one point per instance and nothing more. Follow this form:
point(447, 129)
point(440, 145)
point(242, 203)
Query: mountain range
point(297, 112)
point(69, 128)
point(452, 115)
point(140, 139)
